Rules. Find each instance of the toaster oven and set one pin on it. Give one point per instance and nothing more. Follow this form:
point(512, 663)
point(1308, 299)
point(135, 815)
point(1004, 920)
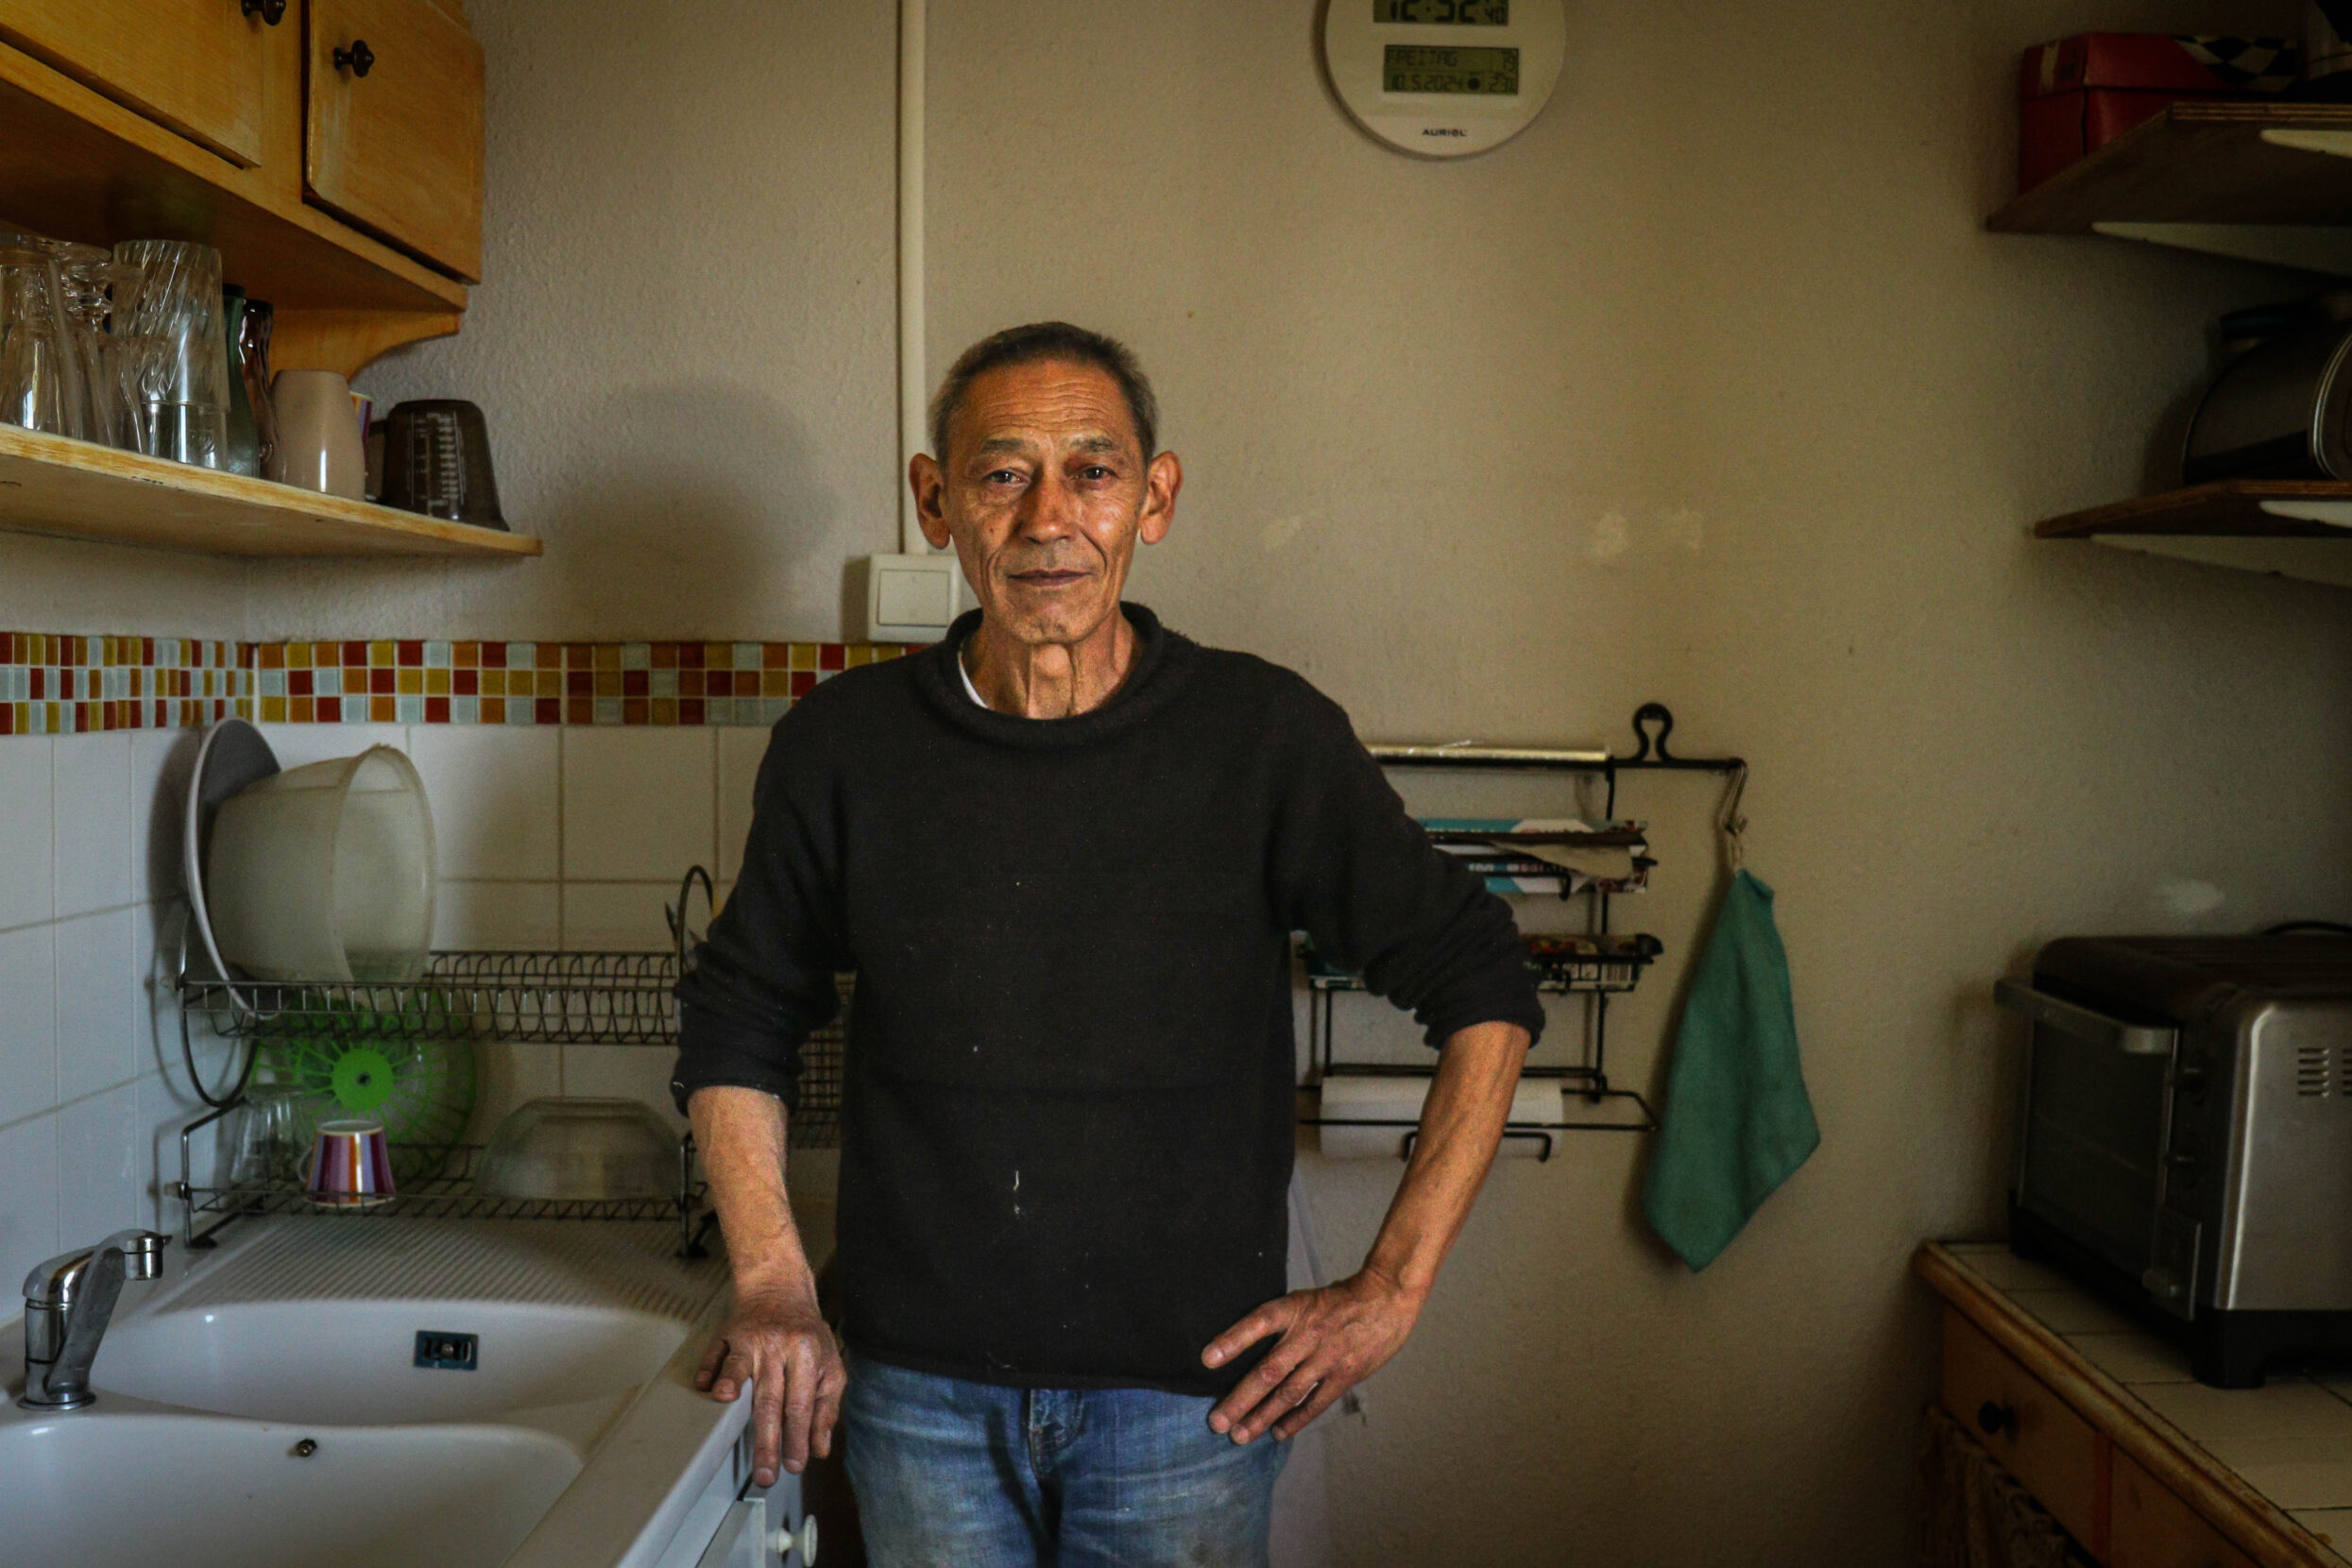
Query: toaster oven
point(2184, 1137)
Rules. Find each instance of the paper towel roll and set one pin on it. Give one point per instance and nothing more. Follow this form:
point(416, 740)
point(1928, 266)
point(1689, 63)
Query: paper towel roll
point(1385, 1097)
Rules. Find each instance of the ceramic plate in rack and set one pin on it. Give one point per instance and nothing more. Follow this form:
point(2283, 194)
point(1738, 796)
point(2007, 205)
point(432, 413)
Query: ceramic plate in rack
point(232, 758)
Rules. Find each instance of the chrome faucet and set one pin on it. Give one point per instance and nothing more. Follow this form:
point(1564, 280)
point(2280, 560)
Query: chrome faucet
point(68, 1301)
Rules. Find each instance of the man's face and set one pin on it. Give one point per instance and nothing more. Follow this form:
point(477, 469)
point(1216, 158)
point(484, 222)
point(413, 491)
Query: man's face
point(1043, 491)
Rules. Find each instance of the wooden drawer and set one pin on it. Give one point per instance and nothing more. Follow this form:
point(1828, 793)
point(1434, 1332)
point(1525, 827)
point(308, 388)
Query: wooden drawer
point(2054, 1452)
point(195, 65)
point(398, 150)
point(2150, 1527)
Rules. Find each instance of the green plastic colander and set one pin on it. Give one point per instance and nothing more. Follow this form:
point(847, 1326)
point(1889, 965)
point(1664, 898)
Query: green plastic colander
point(370, 1066)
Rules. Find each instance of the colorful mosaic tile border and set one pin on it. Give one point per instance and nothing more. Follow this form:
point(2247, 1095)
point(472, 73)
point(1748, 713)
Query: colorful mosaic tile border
point(544, 682)
point(54, 685)
point(68, 685)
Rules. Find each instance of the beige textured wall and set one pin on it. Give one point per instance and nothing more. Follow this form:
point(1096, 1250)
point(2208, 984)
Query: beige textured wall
point(1708, 389)
point(685, 345)
point(67, 585)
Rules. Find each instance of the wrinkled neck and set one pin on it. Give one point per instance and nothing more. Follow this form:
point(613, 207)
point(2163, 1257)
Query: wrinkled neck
point(1049, 680)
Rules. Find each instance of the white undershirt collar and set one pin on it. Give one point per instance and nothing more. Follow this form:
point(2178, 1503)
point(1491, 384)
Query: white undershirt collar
point(969, 690)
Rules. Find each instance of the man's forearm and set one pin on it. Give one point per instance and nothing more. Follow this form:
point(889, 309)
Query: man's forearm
point(1461, 1126)
point(740, 1134)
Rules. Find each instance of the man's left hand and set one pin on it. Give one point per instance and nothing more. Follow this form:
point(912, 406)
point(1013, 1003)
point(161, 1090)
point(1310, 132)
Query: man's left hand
point(1332, 1338)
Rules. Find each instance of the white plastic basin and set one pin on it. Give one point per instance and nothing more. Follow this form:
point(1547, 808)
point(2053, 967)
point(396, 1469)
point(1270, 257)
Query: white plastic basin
point(353, 1363)
point(199, 1491)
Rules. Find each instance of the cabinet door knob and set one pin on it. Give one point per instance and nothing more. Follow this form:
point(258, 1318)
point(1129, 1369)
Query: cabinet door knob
point(1993, 1419)
point(270, 12)
point(358, 59)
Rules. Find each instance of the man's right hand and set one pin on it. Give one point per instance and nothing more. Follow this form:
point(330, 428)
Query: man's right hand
point(779, 1344)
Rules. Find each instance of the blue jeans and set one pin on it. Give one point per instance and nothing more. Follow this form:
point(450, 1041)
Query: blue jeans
point(957, 1475)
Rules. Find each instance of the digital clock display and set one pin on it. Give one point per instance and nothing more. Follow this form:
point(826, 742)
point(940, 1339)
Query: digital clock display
point(1460, 13)
point(1431, 68)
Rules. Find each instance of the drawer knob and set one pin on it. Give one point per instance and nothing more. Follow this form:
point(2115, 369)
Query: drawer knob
point(1993, 1419)
point(358, 59)
point(270, 12)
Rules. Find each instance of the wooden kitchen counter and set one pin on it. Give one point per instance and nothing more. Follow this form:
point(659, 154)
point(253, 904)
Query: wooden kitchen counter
point(2102, 1422)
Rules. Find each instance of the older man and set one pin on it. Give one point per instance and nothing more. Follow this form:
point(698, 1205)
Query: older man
point(1064, 851)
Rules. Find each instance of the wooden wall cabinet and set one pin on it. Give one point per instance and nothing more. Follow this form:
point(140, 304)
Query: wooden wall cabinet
point(345, 192)
point(352, 203)
point(394, 118)
point(194, 66)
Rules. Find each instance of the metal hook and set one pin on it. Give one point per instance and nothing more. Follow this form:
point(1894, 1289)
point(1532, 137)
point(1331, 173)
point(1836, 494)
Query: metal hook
point(1659, 714)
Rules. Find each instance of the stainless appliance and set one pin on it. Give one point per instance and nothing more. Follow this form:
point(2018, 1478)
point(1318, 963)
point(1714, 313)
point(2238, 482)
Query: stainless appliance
point(2186, 1137)
point(2282, 409)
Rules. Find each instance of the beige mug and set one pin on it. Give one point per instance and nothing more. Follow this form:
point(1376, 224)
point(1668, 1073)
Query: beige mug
point(318, 444)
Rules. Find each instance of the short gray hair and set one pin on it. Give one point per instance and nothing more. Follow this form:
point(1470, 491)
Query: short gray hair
point(1047, 340)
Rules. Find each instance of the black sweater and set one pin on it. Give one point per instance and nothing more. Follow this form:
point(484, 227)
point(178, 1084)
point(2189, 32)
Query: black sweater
point(1066, 1123)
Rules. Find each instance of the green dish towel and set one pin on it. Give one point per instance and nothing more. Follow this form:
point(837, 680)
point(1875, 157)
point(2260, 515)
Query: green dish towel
point(1737, 1123)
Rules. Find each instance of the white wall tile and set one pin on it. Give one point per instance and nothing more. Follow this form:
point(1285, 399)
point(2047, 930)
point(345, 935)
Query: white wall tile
point(740, 752)
point(623, 1072)
point(93, 807)
point(155, 934)
point(296, 744)
point(99, 1179)
point(161, 763)
point(29, 1054)
point(638, 803)
point(97, 1047)
point(621, 917)
point(494, 798)
point(474, 916)
point(163, 1107)
point(26, 832)
point(28, 1197)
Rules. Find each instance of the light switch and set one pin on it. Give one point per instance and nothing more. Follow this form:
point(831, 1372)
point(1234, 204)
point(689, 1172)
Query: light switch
point(909, 598)
point(916, 598)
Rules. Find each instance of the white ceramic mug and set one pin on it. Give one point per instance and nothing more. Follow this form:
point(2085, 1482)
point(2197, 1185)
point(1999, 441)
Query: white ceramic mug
point(318, 444)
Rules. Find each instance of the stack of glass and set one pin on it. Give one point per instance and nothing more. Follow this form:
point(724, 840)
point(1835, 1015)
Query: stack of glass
point(176, 344)
point(133, 349)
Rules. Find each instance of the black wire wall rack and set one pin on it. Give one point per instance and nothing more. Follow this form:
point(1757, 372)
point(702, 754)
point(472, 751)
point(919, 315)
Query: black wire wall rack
point(1596, 965)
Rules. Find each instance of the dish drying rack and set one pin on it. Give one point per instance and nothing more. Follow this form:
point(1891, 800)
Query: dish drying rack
point(1595, 963)
point(607, 999)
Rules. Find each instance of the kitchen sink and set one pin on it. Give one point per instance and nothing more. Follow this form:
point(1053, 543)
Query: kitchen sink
point(388, 1394)
point(203, 1492)
point(356, 1363)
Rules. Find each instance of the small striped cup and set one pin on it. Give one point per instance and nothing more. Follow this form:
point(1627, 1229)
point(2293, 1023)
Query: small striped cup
point(349, 1164)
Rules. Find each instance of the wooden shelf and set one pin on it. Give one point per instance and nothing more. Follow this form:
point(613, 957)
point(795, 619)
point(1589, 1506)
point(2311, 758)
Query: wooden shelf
point(2240, 508)
point(2287, 527)
point(2261, 181)
point(49, 484)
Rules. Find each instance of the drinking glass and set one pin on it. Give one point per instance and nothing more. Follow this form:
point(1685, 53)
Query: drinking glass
point(266, 1149)
point(36, 381)
point(249, 360)
point(87, 275)
point(179, 350)
point(116, 363)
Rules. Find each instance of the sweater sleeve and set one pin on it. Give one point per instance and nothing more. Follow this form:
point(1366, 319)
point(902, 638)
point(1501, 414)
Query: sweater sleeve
point(764, 977)
point(1363, 880)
